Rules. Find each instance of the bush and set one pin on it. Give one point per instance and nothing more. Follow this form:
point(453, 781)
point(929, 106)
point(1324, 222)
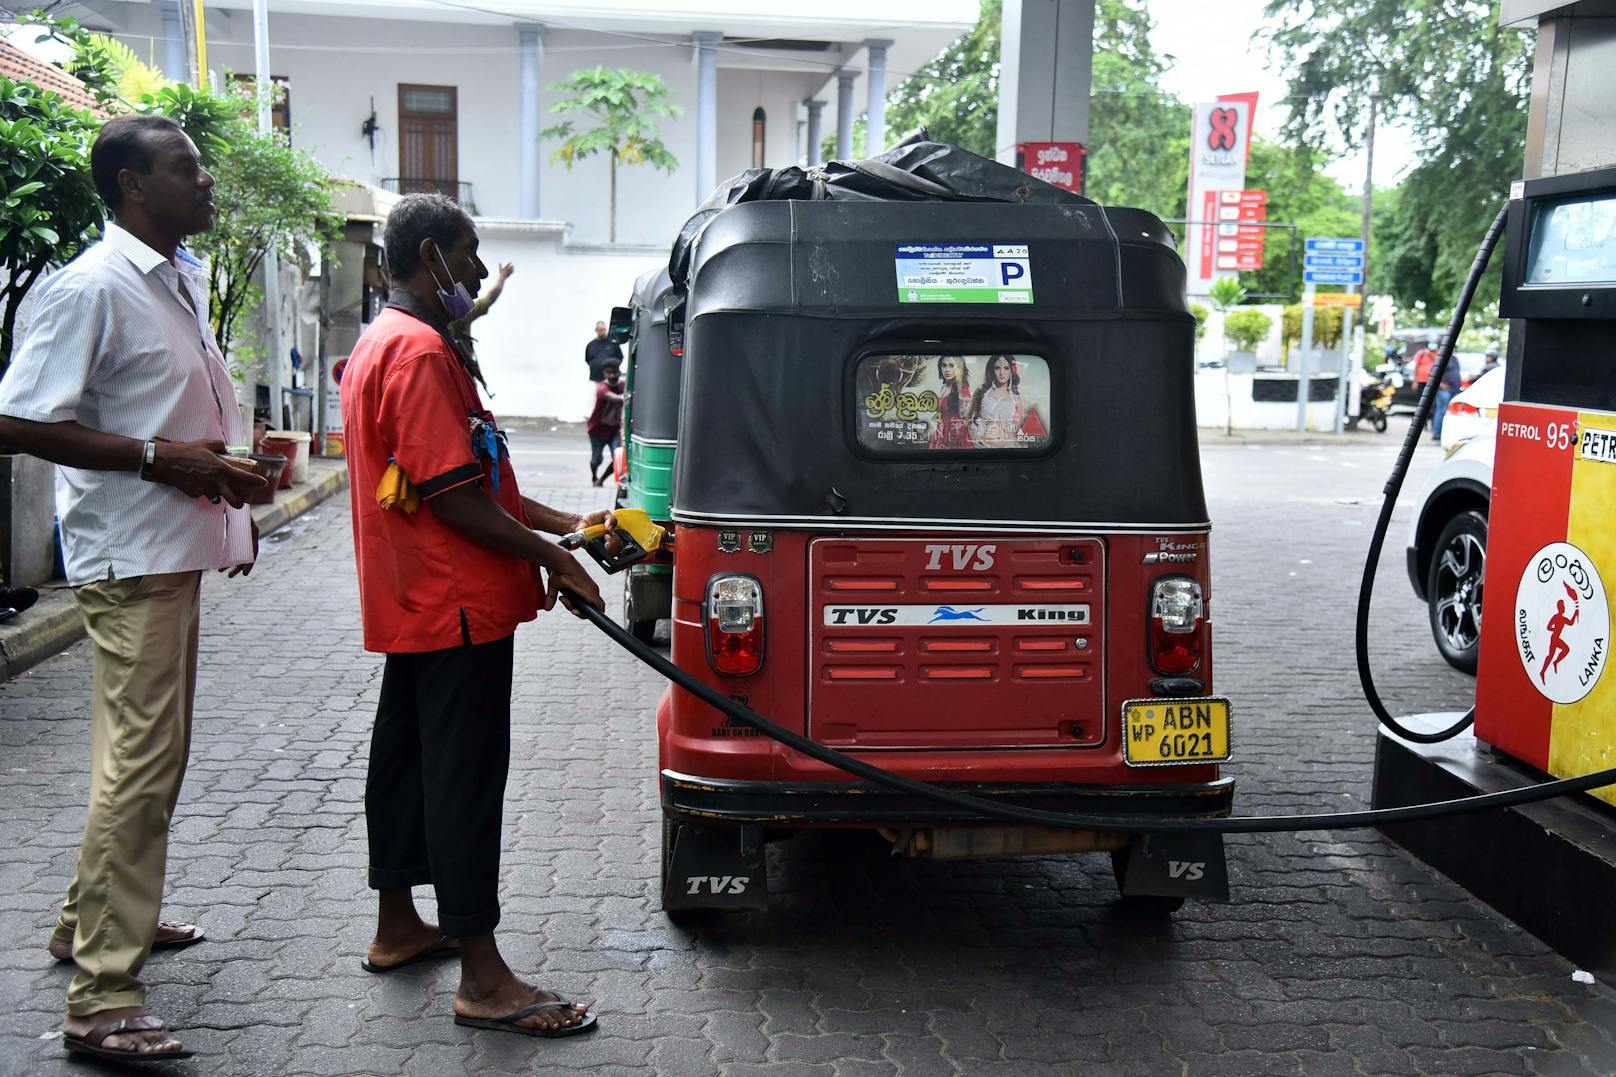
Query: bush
point(1326, 326)
point(1246, 329)
point(1201, 314)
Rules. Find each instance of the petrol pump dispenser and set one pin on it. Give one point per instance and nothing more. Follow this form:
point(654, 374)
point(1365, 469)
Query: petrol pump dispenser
point(1543, 692)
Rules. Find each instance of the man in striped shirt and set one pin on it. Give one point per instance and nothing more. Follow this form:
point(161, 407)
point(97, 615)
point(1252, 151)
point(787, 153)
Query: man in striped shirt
point(120, 382)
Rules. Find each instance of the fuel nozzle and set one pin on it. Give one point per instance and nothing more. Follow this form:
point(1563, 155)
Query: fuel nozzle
point(638, 534)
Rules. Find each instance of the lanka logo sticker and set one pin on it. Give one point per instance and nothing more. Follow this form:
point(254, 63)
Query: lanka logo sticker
point(1562, 622)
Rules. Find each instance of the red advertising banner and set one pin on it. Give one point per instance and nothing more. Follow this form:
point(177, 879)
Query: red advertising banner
point(1056, 163)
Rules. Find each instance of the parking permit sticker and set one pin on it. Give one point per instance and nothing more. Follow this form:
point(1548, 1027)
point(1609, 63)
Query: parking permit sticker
point(964, 273)
point(1562, 622)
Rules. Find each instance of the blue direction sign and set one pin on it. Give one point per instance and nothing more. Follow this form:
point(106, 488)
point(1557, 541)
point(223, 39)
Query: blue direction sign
point(1334, 246)
point(1332, 276)
point(1333, 261)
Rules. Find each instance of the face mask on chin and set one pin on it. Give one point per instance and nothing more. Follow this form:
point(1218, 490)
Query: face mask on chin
point(456, 304)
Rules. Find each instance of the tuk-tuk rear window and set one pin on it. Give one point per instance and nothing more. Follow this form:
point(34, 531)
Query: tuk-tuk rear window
point(952, 403)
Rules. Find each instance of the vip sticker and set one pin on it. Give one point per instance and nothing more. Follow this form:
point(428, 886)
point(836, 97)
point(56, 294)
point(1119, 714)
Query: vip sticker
point(1562, 622)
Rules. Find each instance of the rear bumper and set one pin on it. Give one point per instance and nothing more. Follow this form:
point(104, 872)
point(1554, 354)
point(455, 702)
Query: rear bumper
point(725, 800)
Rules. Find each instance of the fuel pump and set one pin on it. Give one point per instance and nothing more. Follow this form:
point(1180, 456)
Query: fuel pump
point(1543, 695)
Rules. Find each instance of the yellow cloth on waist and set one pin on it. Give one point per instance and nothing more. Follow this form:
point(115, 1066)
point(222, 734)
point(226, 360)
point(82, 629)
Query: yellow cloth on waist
point(395, 491)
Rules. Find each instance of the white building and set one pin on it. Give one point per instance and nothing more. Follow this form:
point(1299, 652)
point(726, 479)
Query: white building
point(447, 94)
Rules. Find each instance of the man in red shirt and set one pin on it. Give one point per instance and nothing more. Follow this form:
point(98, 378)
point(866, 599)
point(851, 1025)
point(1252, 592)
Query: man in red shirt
point(441, 591)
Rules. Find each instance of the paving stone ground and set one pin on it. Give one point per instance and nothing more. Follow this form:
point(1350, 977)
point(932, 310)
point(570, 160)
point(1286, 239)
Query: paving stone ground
point(1339, 954)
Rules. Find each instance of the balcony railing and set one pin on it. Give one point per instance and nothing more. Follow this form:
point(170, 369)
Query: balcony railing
point(455, 189)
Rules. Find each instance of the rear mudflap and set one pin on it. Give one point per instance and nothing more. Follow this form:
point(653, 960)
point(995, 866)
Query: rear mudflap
point(716, 867)
point(1173, 864)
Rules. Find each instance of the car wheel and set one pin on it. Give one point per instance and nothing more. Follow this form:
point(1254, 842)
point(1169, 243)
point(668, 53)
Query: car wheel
point(1453, 586)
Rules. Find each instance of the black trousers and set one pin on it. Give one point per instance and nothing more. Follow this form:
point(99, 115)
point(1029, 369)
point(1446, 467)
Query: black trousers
point(435, 795)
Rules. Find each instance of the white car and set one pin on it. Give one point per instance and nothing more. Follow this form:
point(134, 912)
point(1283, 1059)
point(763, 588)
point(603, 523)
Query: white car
point(1447, 545)
point(1474, 411)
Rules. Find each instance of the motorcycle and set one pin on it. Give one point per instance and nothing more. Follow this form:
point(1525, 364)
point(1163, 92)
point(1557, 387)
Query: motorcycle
point(1375, 395)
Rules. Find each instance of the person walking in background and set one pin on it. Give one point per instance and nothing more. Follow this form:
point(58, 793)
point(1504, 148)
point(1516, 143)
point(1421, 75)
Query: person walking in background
point(599, 352)
point(606, 422)
point(1452, 382)
point(121, 383)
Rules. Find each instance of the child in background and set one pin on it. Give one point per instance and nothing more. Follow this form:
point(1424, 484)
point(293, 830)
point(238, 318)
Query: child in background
point(606, 423)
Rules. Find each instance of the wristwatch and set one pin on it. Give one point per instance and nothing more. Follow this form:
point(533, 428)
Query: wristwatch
point(148, 458)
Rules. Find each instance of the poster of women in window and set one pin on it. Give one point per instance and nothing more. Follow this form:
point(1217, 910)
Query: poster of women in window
point(952, 403)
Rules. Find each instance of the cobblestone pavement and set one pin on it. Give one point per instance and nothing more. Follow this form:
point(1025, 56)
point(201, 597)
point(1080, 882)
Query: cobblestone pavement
point(1339, 954)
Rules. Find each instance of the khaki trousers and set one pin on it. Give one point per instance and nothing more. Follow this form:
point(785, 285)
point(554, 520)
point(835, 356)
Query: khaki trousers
point(144, 633)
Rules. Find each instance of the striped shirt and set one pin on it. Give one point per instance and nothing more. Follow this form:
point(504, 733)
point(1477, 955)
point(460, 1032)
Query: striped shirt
point(120, 343)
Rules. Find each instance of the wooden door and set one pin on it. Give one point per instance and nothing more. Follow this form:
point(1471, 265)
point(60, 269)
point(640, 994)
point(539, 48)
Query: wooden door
point(428, 139)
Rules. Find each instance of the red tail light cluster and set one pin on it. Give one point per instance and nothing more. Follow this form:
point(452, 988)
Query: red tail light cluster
point(1459, 407)
point(734, 616)
point(1176, 612)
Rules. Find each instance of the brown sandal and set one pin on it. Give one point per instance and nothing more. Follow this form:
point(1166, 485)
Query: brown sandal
point(193, 935)
point(91, 1043)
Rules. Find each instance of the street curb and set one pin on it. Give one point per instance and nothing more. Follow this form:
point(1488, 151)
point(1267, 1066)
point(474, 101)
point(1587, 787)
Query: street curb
point(54, 624)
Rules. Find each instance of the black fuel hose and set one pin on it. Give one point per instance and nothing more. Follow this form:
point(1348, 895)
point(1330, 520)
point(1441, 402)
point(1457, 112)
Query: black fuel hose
point(1394, 486)
point(1010, 813)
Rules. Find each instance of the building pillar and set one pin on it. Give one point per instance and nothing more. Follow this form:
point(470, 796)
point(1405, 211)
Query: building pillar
point(175, 69)
point(706, 112)
point(844, 114)
point(816, 113)
point(1046, 60)
point(531, 36)
point(875, 121)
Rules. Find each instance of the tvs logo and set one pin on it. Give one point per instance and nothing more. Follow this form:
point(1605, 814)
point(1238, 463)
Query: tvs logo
point(949, 613)
point(1562, 623)
point(1223, 135)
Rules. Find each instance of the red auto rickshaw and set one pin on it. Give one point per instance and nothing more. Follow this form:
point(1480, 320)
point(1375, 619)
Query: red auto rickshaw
point(938, 505)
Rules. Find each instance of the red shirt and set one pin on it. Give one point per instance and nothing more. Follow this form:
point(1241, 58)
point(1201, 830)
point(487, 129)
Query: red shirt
point(422, 585)
point(607, 417)
point(1424, 359)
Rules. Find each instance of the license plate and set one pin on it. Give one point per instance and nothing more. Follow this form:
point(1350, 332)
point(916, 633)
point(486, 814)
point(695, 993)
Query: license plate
point(1162, 732)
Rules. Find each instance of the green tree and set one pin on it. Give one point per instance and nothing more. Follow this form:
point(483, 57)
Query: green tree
point(48, 206)
point(269, 197)
point(1300, 193)
point(955, 95)
point(1455, 77)
point(624, 106)
point(1139, 136)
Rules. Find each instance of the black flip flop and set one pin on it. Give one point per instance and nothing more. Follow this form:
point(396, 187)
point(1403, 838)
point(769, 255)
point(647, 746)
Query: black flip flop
point(444, 947)
point(90, 1043)
point(508, 1022)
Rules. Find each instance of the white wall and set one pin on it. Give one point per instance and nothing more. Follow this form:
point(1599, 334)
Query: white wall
point(336, 65)
point(531, 342)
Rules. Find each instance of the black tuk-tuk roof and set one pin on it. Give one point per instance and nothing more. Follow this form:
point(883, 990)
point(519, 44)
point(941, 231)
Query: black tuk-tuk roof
point(653, 414)
point(785, 298)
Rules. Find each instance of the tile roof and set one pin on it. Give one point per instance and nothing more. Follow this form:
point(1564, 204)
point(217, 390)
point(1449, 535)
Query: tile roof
point(19, 66)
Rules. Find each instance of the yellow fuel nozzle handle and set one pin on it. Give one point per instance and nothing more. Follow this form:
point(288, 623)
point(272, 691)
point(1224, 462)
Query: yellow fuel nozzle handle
point(639, 534)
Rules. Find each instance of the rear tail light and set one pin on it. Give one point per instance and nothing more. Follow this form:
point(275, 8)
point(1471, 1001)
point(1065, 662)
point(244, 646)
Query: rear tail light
point(1459, 407)
point(1176, 612)
point(734, 615)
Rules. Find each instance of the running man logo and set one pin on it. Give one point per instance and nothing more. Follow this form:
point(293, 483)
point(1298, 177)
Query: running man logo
point(1562, 622)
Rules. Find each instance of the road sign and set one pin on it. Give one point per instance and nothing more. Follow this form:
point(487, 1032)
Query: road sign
point(1334, 246)
point(1337, 299)
point(1332, 261)
point(1332, 276)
